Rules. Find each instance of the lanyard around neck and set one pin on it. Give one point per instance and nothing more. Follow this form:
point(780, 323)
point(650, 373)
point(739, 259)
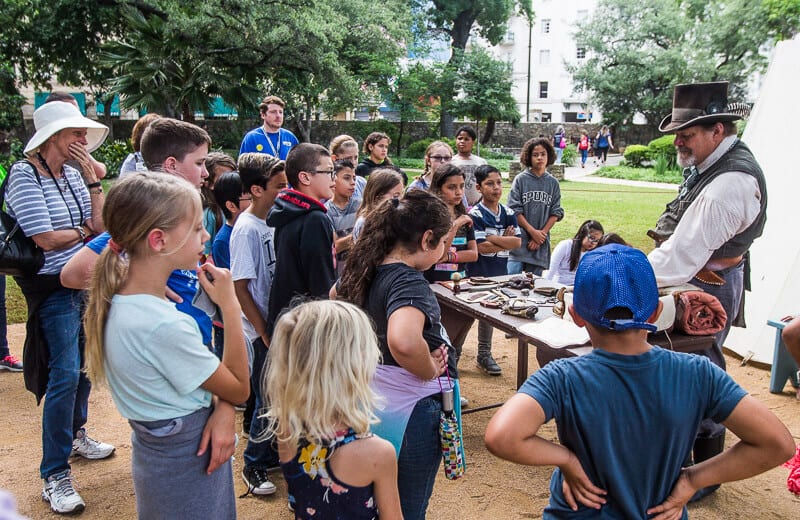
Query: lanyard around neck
point(275, 152)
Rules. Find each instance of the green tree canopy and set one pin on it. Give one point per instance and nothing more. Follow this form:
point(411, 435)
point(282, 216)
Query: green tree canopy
point(455, 20)
point(640, 51)
point(484, 85)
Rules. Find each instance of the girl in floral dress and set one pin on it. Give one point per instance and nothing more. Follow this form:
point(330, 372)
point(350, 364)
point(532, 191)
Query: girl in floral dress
point(322, 359)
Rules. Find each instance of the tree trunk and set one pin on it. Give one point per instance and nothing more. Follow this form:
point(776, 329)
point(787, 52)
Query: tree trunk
point(488, 131)
point(187, 113)
point(107, 99)
point(459, 35)
point(399, 137)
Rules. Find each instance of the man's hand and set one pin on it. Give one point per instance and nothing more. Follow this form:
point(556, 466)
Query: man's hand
point(672, 507)
point(220, 435)
point(510, 231)
point(578, 488)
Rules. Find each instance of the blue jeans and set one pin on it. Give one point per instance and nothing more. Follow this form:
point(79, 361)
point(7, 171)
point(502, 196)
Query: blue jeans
point(559, 153)
point(66, 403)
point(420, 458)
point(730, 296)
point(3, 323)
point(259, 454)
point(515, 267)
point(584, 156)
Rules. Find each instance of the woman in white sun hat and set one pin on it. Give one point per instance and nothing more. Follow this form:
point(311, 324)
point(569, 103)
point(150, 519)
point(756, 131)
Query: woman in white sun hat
point(59, 212)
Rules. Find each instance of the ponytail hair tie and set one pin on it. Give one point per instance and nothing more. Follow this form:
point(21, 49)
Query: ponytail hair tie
point(113, 246)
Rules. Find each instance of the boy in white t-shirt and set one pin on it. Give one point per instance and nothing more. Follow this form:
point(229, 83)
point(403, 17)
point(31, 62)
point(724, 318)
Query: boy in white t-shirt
point(468, 162)
point(253, 268)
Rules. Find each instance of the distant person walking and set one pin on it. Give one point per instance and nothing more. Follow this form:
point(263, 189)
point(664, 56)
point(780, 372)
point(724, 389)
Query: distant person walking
point(604, 143)
point(559, 142)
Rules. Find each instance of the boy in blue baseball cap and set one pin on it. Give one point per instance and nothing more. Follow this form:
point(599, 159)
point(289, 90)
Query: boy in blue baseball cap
point(627, 413)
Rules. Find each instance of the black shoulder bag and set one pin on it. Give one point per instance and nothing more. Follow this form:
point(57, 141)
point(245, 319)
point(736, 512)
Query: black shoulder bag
point(19, 255)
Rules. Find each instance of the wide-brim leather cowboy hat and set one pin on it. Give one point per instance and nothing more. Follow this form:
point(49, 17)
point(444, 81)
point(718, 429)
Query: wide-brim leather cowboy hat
point(696, 104)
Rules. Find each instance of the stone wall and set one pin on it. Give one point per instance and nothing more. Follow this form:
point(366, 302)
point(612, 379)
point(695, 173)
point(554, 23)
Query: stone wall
point(507, 137)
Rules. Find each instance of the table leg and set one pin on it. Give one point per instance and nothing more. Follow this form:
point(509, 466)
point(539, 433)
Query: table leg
point(522, 361)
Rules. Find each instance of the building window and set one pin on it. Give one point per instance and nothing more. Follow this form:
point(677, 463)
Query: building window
point(544, 57)
point(509, 37)
point(581, 53)
point(547, 117)
point(546, 26)
point(543, 89)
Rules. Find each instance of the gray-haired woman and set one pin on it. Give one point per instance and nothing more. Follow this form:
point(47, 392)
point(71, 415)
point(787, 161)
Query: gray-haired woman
point(58, 209)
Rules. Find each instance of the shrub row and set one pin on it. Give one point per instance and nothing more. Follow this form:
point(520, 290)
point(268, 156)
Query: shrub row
point(661, 149)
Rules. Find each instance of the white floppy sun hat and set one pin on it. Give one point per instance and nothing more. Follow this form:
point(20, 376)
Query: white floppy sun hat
point(56, 116)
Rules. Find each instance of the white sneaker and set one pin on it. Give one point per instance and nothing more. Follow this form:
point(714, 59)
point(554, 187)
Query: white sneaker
point(89, 448)
point(59, 491)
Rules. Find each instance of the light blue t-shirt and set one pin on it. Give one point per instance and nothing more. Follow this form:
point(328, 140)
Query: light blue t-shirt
point(182, 281)
point(155, 360)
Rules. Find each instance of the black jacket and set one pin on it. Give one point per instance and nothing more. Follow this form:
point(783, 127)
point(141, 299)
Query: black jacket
point(303, 249)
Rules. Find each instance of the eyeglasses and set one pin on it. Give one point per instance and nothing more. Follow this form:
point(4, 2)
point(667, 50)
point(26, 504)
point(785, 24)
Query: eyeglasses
point(329, 173)
point(593, 240)
point(246, 197)
point(440, 158)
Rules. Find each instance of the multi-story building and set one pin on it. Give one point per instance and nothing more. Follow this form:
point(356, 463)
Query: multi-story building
point(540, 53)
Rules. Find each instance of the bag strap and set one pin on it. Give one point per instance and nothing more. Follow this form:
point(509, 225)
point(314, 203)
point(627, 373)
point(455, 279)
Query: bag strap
point(5, 181)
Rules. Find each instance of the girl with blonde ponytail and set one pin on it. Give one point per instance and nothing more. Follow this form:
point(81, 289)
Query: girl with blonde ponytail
point(161, 376)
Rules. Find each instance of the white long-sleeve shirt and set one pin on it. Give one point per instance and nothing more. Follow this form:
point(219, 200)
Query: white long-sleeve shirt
point(724, 208)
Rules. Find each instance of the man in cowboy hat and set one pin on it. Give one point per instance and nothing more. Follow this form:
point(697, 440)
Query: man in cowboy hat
point(705, 233)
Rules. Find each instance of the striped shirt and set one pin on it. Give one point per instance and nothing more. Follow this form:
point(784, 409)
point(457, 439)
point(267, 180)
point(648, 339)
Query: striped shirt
point(39, 209)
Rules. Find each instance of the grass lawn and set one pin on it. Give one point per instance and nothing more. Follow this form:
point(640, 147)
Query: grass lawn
point(626, 210)
point(639, 174)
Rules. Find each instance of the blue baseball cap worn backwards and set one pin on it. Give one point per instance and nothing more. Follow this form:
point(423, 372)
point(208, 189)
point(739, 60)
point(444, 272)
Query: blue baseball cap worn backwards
point(615, 276)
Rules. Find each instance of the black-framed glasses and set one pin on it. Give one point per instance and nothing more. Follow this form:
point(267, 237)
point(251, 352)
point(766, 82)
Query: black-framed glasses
point(440, 158)
point(329, 173)
point(593, 240)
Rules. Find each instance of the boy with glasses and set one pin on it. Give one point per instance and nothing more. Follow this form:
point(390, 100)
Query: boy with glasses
point(303, 232)
point(343, 209)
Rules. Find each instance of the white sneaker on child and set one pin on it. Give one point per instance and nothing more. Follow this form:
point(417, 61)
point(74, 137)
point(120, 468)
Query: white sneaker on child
point(60, 492)
point(89, 448)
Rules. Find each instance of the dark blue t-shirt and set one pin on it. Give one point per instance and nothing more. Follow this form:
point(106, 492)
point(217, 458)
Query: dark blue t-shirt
point(183, 282)
point(221, 248)
point(630, 420)
point(486, 223)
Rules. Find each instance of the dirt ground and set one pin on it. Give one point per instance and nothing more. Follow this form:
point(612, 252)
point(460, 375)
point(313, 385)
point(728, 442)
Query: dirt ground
point(492, 489)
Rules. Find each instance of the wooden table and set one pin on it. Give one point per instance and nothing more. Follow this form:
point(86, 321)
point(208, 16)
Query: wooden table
point(503, 322)
point(511, 325)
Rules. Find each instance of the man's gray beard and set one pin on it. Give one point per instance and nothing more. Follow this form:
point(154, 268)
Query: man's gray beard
point(685, 163)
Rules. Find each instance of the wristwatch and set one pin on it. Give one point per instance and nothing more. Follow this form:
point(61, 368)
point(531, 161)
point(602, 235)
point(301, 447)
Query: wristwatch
point(81, 232)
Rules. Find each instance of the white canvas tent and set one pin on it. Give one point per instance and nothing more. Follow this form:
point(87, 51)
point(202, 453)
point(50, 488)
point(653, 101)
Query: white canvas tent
point(773, 134)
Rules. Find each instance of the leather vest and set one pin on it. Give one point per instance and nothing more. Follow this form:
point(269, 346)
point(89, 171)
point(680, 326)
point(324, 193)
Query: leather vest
point(738, 159)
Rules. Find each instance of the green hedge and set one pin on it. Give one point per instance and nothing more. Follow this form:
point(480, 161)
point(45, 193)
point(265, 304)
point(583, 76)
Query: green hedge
point(636, 155)
point(416, 150)
point(113, 154)
point(664, 145)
